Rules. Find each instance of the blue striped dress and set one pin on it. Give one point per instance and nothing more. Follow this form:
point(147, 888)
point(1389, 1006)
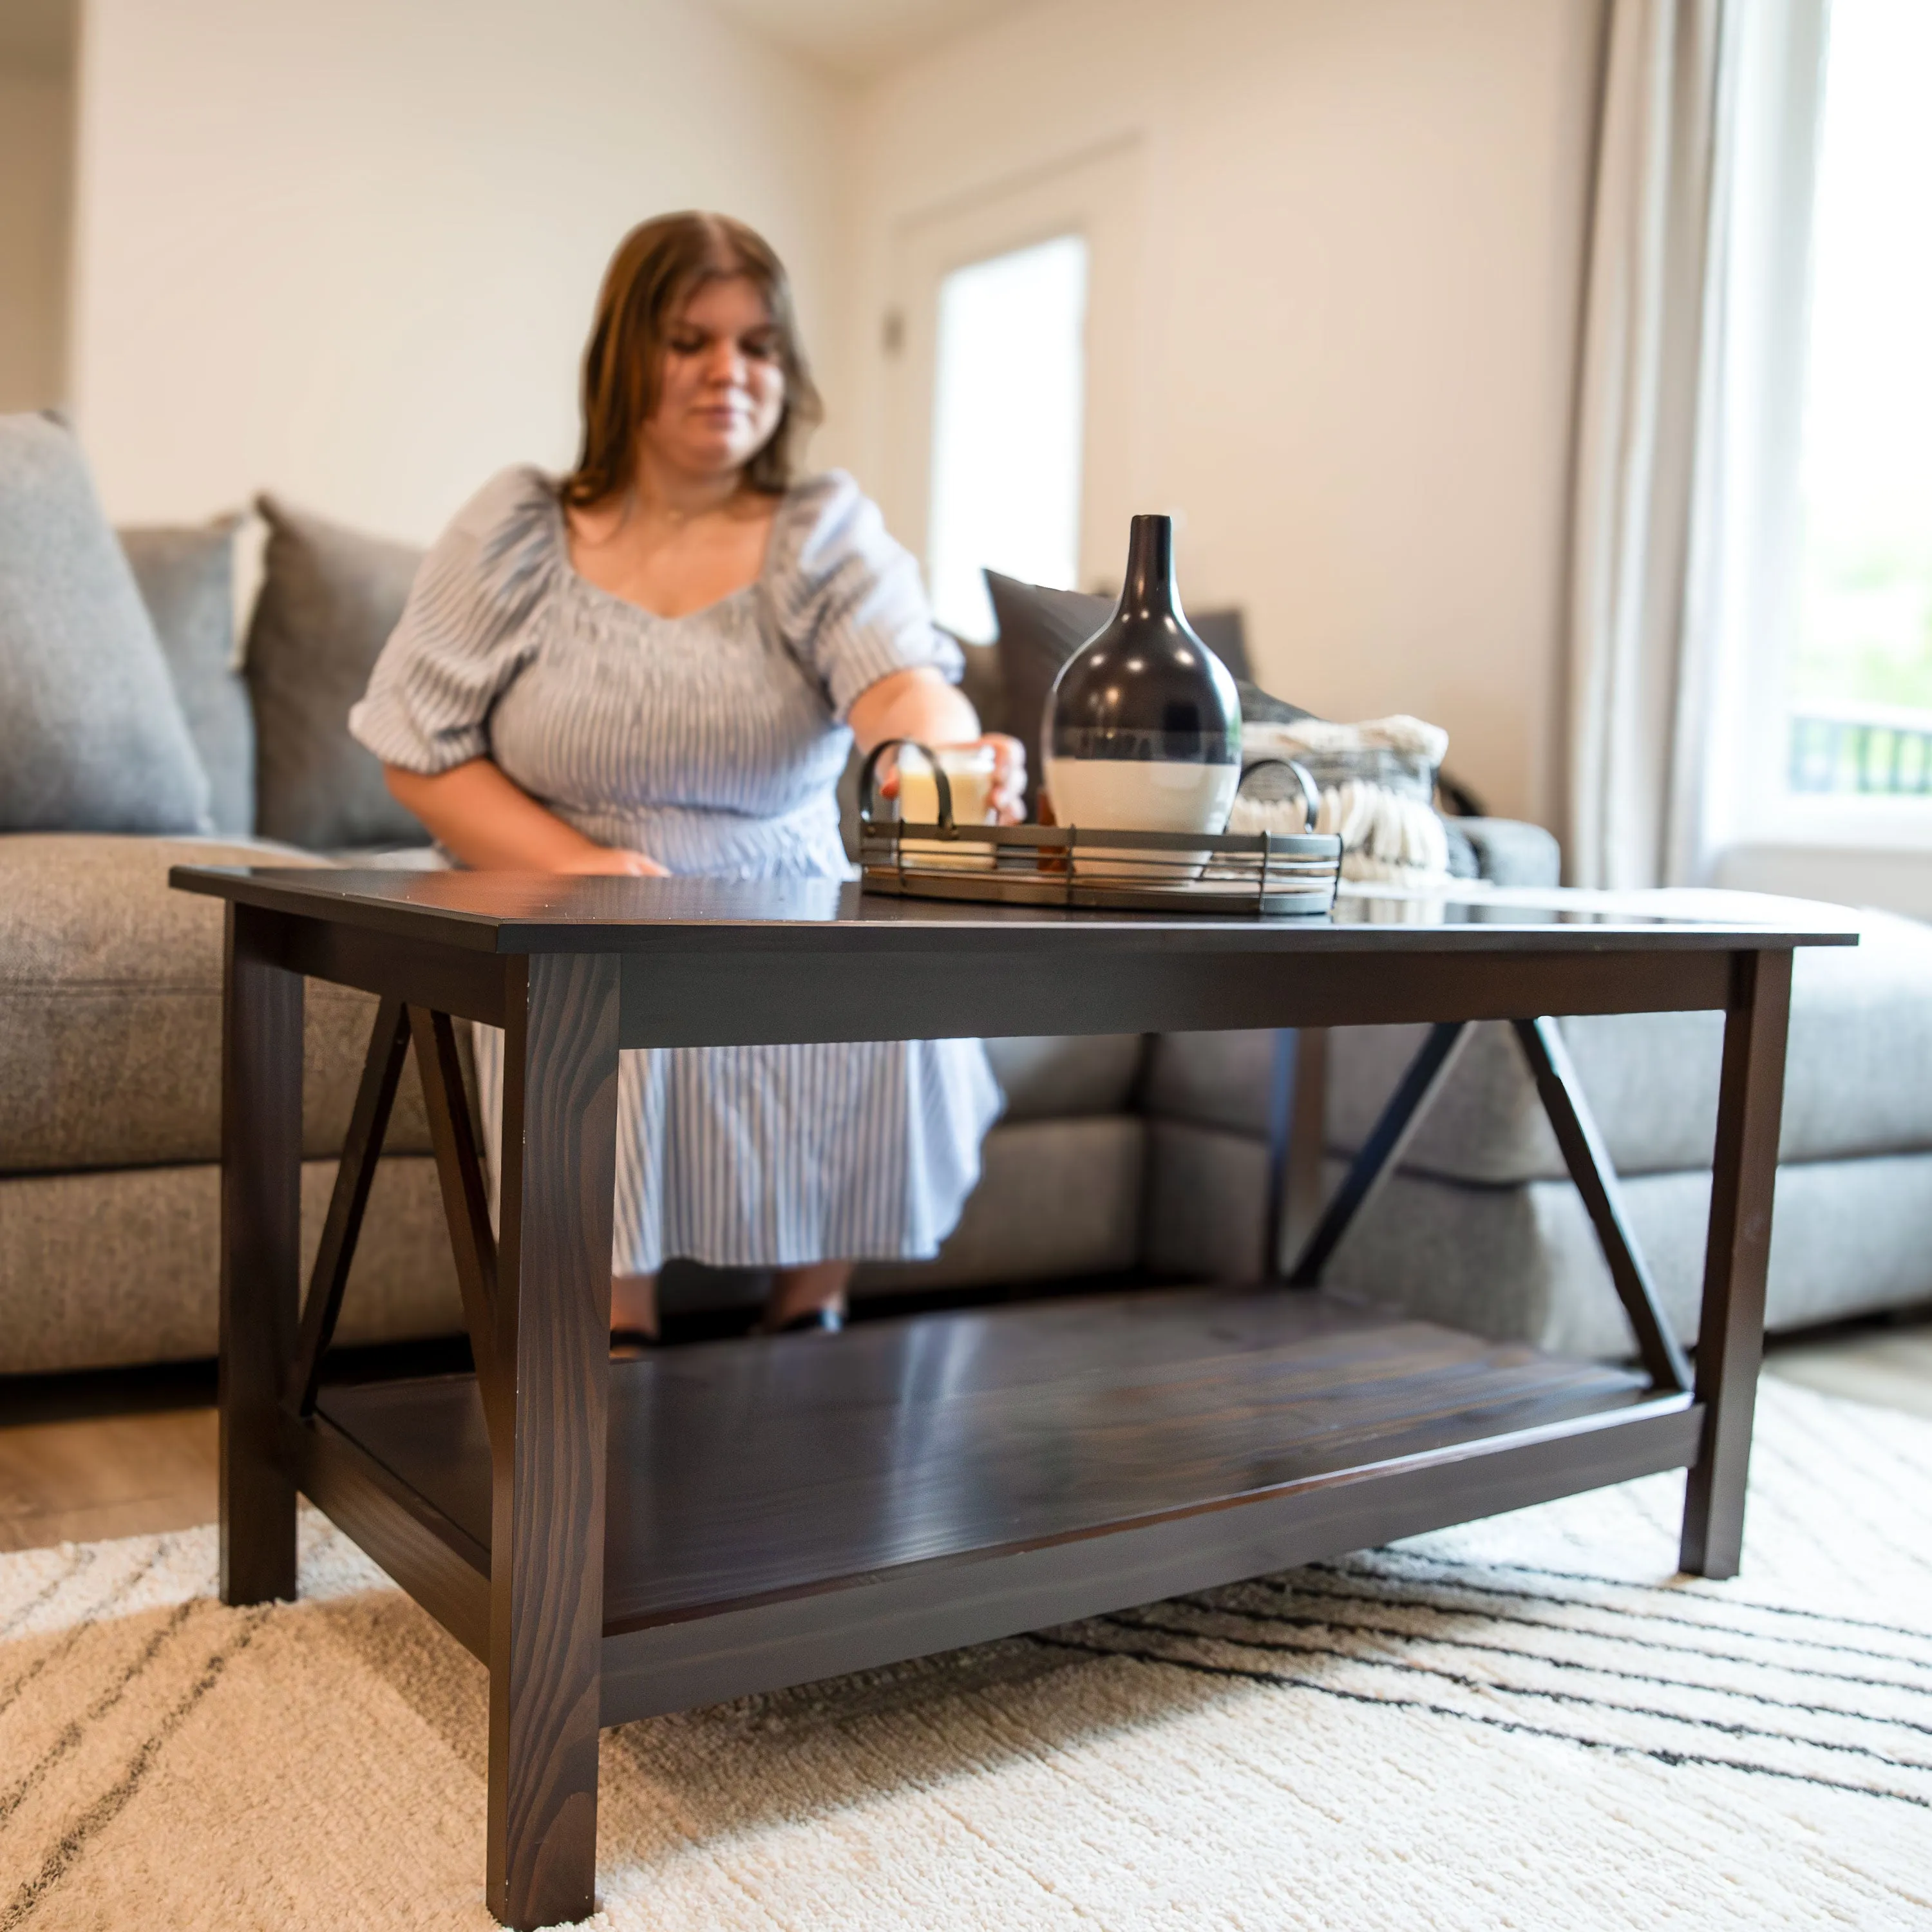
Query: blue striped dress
point(713, 742)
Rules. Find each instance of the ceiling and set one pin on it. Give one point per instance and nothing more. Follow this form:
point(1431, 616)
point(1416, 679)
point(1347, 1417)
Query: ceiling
point(860, 38)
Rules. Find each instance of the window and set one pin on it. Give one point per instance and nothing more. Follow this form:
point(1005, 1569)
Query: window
point(1008, 394)
point(1859, 694)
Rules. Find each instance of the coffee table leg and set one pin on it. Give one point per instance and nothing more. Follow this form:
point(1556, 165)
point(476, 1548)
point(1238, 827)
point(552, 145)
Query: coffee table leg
point(1730, 1335)
point(550, 1395)
point(261, 1260)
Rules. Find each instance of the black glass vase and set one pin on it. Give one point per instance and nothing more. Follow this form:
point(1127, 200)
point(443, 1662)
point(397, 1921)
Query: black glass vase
point(1143, 725)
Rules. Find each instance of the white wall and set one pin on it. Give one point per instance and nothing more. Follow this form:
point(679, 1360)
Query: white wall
point(348, 252)
point(36, 129)
point(1364, 254)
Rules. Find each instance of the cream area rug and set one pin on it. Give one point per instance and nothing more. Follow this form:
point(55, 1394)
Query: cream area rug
point(1526, 1722)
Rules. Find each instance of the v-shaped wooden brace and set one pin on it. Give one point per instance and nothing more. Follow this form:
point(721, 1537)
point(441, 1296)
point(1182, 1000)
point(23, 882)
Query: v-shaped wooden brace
point(1584, 1154)
point(466, 1201)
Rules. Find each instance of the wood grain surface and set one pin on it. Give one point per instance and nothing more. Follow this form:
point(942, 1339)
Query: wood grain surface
point(517, 912)
point(1737, 1256)
point(749, 1514)
point(551, 1347)
point(354, 1174)
point(740, 1468)
point(261, 1259)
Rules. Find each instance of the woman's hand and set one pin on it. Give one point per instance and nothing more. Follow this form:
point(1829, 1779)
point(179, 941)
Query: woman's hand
point(1007, 794)
point(918, 704)
point(1009, 774)
point(610, 861)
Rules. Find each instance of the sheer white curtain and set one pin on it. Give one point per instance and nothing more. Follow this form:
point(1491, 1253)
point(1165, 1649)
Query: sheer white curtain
point(1687, 419)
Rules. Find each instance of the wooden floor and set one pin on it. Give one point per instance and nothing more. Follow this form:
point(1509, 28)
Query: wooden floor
point(1891, 1366)
point(81, 1478)
point(116, 1475)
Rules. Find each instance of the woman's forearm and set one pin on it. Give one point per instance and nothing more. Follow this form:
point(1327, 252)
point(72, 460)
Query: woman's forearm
point(918, 704)
point(494, 825)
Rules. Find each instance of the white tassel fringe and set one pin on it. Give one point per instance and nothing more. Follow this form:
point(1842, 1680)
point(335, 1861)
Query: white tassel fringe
point(1386, 836)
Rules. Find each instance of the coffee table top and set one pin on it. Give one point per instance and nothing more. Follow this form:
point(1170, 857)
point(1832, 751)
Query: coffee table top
point(508, 913)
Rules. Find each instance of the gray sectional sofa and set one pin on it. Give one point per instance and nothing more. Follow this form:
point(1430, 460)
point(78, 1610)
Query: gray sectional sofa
point(109, 1063)
point(109, 1066)
point(1117, 1156)
point(1481, 1227)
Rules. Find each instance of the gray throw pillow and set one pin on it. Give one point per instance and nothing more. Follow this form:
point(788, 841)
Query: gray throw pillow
point(330, 597)
point(983, 681)
point(91, 736)
point(187, 579)
point(1040, 629)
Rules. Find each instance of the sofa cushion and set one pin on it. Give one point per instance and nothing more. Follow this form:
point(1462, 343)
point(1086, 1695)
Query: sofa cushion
point(110, 1011)
point(1206, 1212)
point(1211, 1079)
point(1507, 852)
point(111, 1269)
point(1858, 1074)
point(1055, 1199)
point(91, 734)
point(1522, 1263)
point(1060, 1078)
point(330, 597)
point(186, 580)
point(1857, 1077)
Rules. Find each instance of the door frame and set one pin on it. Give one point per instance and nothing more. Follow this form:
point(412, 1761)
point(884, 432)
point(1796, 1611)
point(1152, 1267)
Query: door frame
point(1099, 193)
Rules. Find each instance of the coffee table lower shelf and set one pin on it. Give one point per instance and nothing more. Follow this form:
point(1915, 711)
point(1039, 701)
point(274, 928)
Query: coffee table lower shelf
point(789, 1509)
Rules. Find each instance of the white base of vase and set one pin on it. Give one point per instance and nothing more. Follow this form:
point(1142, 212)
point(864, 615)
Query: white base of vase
point(1140, 795)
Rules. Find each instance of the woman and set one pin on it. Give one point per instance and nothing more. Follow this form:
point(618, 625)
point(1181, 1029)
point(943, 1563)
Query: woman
point(658, 665)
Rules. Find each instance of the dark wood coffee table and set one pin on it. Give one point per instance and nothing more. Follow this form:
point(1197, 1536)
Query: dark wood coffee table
point(617, 1540)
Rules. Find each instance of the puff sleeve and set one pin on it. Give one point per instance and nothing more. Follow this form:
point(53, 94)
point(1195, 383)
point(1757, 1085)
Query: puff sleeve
point(848, 599)
point(465, 630)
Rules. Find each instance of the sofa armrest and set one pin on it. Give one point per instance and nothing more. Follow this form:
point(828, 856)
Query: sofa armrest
point(1510, 853)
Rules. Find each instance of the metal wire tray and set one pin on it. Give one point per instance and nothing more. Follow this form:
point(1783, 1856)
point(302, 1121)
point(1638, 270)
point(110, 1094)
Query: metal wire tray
point(1270, 875)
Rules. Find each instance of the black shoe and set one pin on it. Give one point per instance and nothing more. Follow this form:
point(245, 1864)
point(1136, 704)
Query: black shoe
point(827, 1320)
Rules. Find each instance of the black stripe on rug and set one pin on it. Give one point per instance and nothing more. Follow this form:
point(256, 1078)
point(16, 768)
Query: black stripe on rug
point(1571, 1700)
point(109, 1806)
point(1212, 1606)
point(1646, 1615)
point(72, 1732)
point(78, 1561)
point(1206, 1606)
point(1673, 1759)
point(57, 1651)
point(1675, 1595)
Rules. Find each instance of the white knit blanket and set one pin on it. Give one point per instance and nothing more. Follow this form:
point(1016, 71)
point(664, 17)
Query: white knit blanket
point(1386, 835)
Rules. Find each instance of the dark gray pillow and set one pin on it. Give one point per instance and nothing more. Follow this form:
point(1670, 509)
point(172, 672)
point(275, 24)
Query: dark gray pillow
point(91, 736)
point(186, 580)
point(330, 598)
point(1040, 629)
point(984, 683)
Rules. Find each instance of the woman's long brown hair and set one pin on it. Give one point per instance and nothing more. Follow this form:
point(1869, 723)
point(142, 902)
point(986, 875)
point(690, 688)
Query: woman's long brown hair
point(657, 268)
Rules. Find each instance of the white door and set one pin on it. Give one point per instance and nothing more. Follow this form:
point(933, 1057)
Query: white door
point(1014, 330)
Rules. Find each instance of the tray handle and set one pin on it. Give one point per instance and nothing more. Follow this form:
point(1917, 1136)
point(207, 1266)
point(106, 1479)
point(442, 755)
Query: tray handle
point(1311, 792)
point(869, 770)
